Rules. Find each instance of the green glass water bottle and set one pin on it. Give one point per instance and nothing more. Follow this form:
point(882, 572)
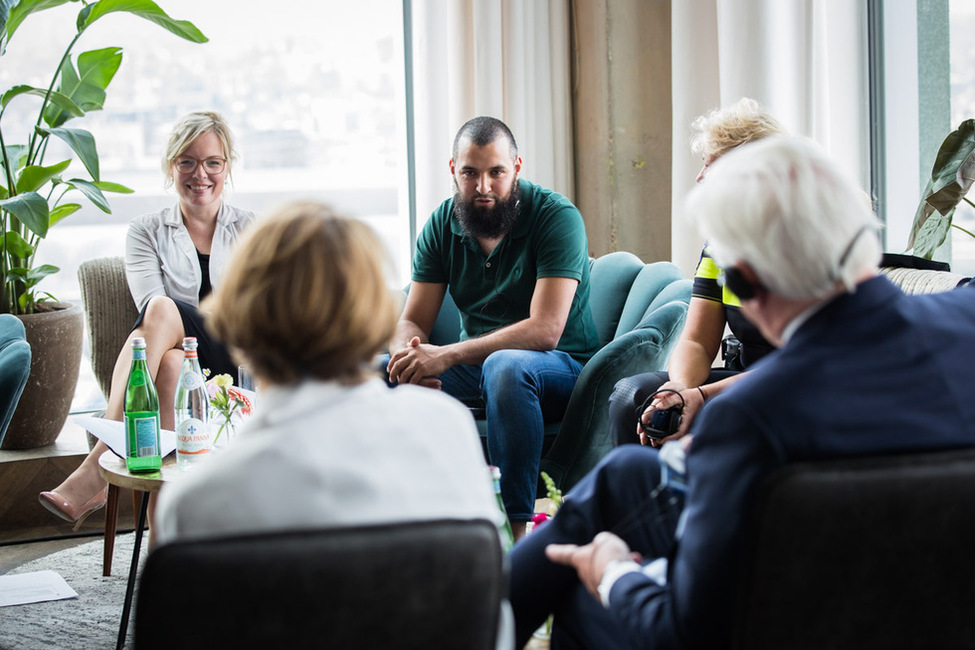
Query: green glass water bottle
point(141, 415)
point(504, 528)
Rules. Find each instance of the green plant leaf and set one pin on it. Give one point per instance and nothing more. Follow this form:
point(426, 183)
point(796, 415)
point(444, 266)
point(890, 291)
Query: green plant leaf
point(31, 209)
point(143, 9)
point(16, 154)
point(16, 274)
point(118, 188)
point(81, 142)
point(91, 190)
point(954, 168)
point(932, 234)
point(85, 86)
point(17, 245)
point(34, 176)
point(952, 177)
point(56, 98)
point(60, 212)
point(20, 10)
point(4, 13)
point(38, 273)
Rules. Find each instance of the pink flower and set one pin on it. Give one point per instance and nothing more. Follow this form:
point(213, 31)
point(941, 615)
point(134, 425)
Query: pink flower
point(245, 403)
point(539, 518)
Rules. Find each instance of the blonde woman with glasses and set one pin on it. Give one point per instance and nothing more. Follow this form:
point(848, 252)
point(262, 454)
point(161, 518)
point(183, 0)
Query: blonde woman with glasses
point(173, 259)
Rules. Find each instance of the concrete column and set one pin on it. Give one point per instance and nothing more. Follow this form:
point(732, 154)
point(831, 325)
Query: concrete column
point(622, 124)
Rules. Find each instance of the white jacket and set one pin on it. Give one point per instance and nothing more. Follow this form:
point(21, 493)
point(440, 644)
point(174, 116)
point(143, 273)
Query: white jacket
point(319, 455)
point(161, 260)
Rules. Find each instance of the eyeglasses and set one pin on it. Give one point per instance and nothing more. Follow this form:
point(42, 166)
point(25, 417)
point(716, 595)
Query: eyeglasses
point(210, 165)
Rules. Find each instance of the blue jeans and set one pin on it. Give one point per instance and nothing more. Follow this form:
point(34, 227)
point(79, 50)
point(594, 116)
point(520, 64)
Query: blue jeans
point(520, 390)
point(622, 495)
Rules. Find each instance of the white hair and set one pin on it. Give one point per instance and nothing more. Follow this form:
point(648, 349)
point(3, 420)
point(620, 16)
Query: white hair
point(781, 206)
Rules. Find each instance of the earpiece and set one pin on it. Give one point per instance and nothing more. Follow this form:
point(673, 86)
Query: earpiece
point(736, 282)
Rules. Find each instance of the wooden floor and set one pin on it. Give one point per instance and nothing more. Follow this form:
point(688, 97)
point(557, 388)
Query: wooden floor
point(25, 473)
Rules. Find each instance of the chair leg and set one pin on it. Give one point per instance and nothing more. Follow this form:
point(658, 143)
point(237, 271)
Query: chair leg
point(111, 520)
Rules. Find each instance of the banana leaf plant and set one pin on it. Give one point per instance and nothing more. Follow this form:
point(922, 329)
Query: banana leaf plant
point(35, 195)
point(951, 177)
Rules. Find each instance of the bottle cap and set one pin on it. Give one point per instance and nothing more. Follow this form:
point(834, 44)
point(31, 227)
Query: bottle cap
point(189, 343)
point(138, 342)
point(495, 471)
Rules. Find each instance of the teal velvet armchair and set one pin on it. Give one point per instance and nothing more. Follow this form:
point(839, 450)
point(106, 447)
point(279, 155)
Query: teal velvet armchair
point(639, 311)
point(14, 367)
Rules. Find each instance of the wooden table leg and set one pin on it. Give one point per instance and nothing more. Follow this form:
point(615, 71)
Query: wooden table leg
point(111, 521)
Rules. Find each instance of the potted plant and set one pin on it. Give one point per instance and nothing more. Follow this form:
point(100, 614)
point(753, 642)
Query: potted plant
point(951, 178)
point(36, 194)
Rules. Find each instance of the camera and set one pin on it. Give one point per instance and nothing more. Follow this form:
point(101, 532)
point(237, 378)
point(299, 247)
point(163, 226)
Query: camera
point(663, 423)
point(731, 353)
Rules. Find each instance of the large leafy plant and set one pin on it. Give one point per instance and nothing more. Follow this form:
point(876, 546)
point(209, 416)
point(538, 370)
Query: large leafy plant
point(951, 178)
point(33, 195)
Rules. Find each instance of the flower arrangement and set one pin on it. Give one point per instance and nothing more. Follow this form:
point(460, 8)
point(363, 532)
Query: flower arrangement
point(227, 402)
point(555, 497)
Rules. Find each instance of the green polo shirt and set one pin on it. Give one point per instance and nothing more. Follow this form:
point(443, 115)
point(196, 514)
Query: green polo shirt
point(548, 240)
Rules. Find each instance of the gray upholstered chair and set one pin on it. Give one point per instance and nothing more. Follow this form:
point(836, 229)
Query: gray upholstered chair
point(434, 584)
point(918, 275)
point(109, 311)
point(863, 553)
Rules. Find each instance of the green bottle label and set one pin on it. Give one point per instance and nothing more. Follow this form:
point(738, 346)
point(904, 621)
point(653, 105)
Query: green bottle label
point(143, 436)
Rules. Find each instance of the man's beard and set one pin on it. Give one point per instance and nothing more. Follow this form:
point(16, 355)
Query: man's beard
point(478, 222)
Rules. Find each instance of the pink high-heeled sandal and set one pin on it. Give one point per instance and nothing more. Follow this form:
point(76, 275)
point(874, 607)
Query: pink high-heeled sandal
point(61, 507)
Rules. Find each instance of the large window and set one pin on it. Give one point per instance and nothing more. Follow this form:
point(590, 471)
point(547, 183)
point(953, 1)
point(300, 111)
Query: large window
point(962, 25)
point(312, 88)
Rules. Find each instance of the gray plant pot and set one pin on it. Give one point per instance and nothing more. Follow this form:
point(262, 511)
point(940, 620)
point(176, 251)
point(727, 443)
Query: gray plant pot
point(55, 339)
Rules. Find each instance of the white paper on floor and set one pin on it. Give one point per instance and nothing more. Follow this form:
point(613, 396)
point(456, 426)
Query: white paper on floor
point(34, 587)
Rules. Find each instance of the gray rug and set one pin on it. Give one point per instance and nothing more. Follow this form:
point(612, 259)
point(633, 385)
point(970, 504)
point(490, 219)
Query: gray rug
point(89, 621)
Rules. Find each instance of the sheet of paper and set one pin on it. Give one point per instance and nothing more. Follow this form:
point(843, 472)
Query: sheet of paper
point(112, 433)
point(35, 587)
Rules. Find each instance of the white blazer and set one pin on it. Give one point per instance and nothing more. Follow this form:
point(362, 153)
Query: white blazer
point(161, 260)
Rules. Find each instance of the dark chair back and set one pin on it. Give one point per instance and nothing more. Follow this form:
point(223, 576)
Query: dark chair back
point(433, 584)
point(865, 553)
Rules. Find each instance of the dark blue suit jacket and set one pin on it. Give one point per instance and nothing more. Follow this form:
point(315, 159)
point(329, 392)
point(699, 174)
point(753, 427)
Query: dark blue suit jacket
point(872, 372)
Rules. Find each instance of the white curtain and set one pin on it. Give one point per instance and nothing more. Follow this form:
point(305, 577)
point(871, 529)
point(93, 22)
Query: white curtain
point(506, 58)
point(804, 60)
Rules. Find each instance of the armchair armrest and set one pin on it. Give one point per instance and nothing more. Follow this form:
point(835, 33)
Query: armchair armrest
point(584, 437)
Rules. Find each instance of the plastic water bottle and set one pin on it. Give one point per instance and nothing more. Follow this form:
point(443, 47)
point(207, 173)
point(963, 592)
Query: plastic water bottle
point(192, 423)
point(141, 409)
point(507, 536)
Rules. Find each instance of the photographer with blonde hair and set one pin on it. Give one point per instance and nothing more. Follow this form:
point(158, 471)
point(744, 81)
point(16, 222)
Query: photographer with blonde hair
point(690, 379)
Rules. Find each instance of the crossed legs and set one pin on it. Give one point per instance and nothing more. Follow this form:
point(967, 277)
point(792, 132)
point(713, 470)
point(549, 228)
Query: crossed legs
point(162, 328)
point(620, 495)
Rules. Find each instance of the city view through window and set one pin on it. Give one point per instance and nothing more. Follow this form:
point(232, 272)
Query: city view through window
point(962, 56)
point(313, 90)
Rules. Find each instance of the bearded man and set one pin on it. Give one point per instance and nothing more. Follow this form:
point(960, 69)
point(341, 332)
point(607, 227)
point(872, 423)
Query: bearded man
point(515, 259)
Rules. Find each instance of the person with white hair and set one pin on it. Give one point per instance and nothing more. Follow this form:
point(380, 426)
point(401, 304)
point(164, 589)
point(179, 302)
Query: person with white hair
point(798, 245)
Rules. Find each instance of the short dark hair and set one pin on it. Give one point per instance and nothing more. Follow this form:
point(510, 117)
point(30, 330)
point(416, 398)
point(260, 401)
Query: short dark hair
point(482, 131)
